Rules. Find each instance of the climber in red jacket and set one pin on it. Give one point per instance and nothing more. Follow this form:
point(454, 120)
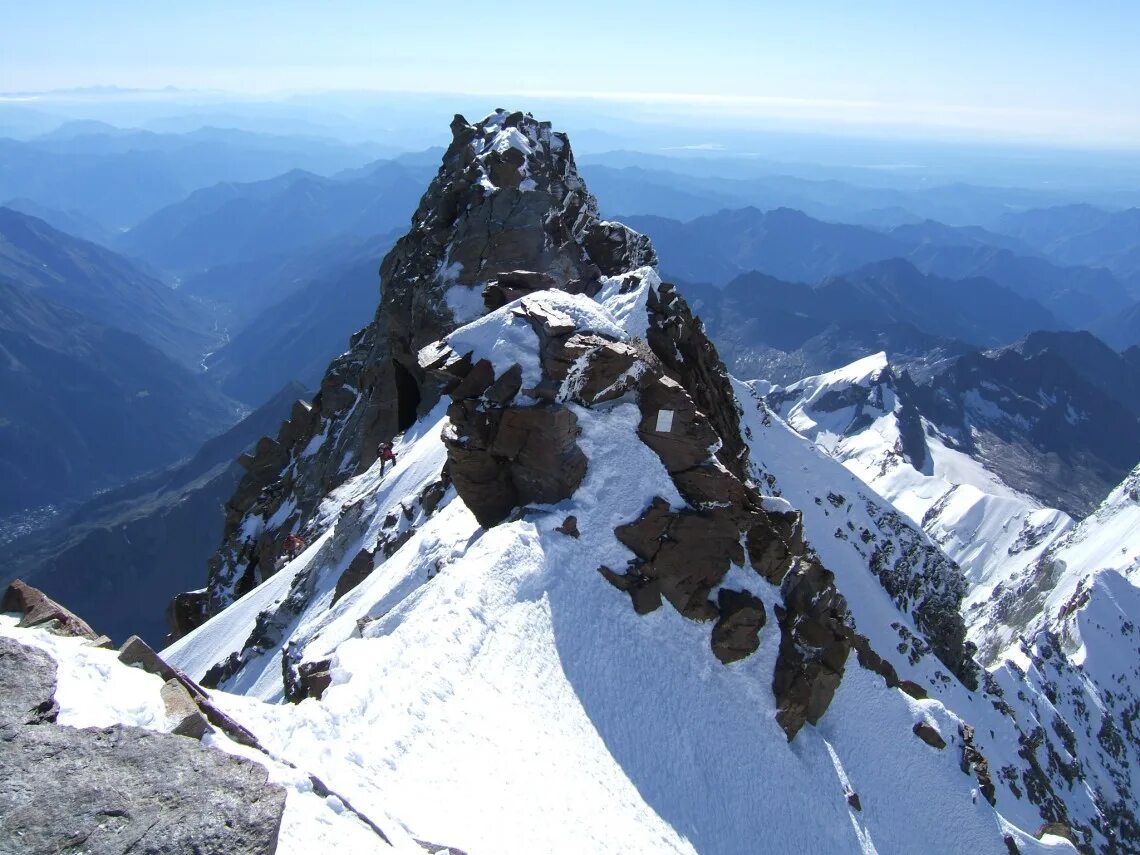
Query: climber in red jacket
point(293, 546)
point(385, 452)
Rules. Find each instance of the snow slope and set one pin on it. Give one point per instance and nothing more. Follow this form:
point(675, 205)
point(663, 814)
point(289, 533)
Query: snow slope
point(989, 529)
point(1053, 604)
point(492, 690)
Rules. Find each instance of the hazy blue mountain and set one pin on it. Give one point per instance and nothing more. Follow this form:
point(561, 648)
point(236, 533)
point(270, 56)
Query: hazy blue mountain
point(782, 331)
point(791, 245)
point(120, 557)
point(296, 338)
point(117, 177)
point(1084, 235)
point(87, 406)
point(1120, 329)
point(102, 286)
point(1077, 296)
point(885, 194)
point(232, 223)
point(1038, 416)
point(784, 243)
point(69, 222)
point(932, 232)
point(1088, 356)
point(241, 291)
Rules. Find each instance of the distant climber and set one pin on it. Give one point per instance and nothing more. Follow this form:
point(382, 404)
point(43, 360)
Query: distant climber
point(385, 453)
point(294, 546)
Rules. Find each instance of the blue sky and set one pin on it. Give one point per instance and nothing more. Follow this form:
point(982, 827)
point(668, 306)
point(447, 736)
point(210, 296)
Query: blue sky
point(1059, 71)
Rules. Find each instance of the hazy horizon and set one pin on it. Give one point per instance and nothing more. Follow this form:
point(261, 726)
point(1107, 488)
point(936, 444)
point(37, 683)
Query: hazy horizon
point(1022, 73)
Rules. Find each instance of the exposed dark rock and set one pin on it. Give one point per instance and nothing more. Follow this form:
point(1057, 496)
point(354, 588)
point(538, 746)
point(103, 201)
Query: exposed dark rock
point(357, 571)
point(643, 591)
point(569, 527)
point(27, 686)
point(736, 633)
point(973, 759)
point(138, 653)
point(774, 543)
point(814, 645)
point(853, 801)
point(439, 848)
point(929, 734)
point(38, 609)
point(686, 552)
point(131, 790)
point(186, 612)
point(501, 455)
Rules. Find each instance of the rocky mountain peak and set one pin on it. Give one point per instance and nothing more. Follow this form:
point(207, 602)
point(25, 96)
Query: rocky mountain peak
point(506, 214)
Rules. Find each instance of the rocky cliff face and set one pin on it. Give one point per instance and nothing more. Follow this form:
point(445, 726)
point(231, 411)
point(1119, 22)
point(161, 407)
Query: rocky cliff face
point(505, 227)
point(506, 214)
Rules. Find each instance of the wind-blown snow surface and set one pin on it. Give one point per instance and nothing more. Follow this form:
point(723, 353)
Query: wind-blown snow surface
point(989, 529)
point(493, 692)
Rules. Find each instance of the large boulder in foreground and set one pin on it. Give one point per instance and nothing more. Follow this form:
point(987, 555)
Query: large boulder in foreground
point(123, 789)
point(118, 789)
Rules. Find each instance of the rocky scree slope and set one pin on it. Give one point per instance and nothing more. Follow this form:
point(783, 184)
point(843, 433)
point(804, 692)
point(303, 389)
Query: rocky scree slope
point(575, 501)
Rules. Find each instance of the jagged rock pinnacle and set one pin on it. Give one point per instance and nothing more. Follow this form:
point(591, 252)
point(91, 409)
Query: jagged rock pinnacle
point(506, 214)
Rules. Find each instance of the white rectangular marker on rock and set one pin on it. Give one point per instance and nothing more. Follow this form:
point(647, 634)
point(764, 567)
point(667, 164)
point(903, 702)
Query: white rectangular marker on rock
point(664, 421)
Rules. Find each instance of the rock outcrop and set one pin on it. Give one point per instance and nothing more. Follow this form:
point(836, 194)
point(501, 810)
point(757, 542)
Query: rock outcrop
point(38, 609)
point(125, 789)
point(512, 298)
point(507, 214)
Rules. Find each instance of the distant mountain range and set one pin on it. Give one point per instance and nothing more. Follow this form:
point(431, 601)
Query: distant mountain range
point(783, 331)
point(233, 223)
point(296, 337)
point(790, 245)
point(117, 177)
point(87, 406)
point(125, 553)
point(1082, 235)
point(103, 287)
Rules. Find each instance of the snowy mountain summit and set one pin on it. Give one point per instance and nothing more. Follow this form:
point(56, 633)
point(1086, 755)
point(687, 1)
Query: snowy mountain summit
point(604, 599)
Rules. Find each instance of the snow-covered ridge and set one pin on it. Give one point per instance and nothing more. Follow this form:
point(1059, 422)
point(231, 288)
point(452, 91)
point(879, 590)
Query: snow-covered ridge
point(861, 416)
point(654, 642)
point(479, 666)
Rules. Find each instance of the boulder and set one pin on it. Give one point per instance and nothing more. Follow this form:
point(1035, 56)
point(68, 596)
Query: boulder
point(644, 592)
point(929, 734)
point(814, 645)
point(38, 609)
point(357, 571)
point(138, 654)
point(736, 633)
point(125, 789)
point(27, 686)
point(182, 714)
point(685, 552)
point(569, 527)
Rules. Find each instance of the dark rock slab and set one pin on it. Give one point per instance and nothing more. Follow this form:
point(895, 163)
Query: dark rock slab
point(27, 685)
point(814, 645)
point(38, 609)
point(929, 735)
point(123, 789)
point(736, 633)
